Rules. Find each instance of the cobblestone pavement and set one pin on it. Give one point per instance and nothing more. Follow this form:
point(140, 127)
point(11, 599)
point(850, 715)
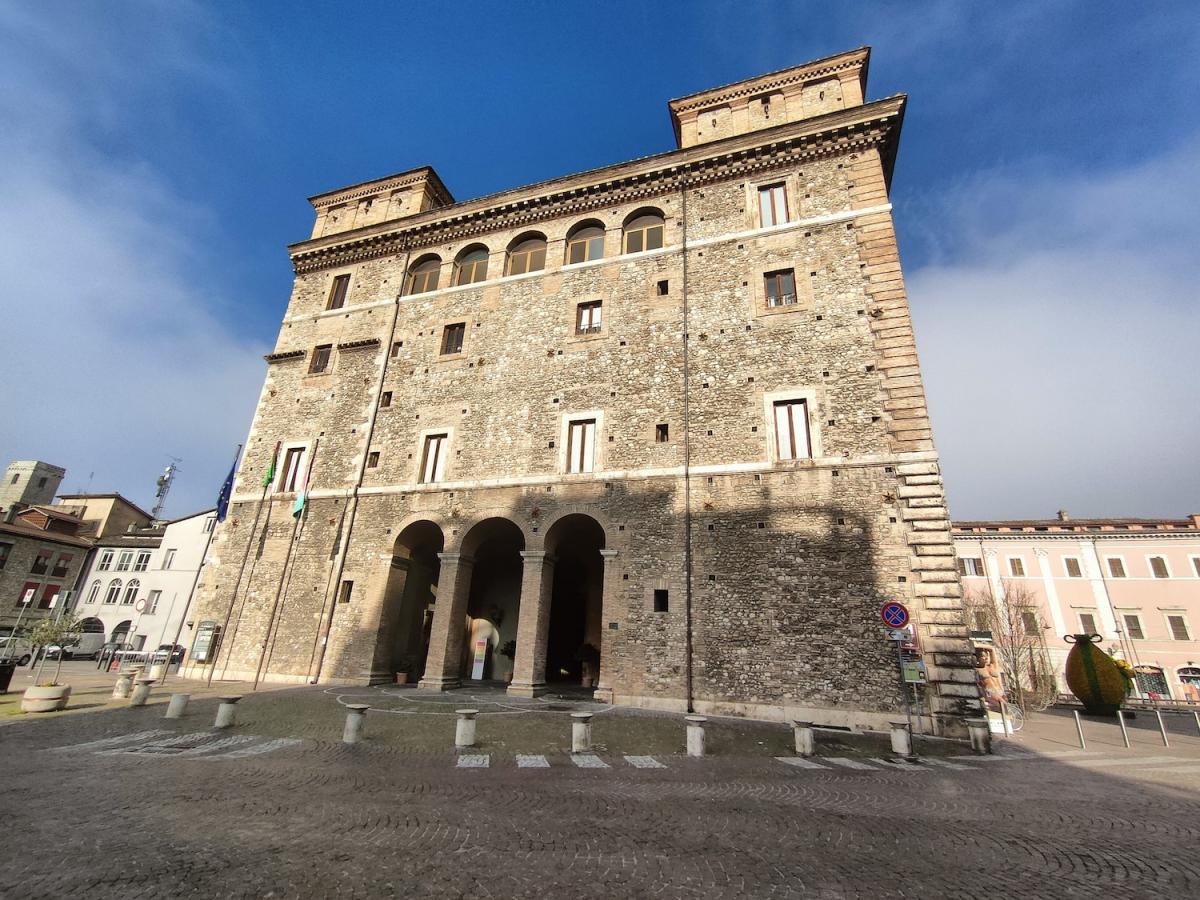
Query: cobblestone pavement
point(122, 803)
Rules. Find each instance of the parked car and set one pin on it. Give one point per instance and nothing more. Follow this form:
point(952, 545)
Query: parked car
point(17, 649)
point(176, 651)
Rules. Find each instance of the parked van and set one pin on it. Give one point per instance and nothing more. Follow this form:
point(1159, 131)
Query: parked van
point(88, 647)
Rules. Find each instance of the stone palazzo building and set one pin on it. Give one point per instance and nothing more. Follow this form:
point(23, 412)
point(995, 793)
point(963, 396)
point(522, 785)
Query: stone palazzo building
point(657, 429)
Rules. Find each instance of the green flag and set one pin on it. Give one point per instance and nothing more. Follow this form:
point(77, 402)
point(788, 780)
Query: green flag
point(271, 468)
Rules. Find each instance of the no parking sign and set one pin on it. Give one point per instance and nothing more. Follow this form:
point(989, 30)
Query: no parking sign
point(895, 615)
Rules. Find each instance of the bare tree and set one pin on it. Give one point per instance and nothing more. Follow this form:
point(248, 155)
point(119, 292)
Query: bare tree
point(1018, 634)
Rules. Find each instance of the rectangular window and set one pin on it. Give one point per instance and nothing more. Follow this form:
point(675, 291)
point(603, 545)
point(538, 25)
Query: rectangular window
point(1158, 566)
point(293, 462)
point(585, 245)
point(1071, 564)
point(61, 565)
point(581, 445)
point(1029, 622)
point(1195, 562)
point(970, 565)
point(152, 602)
point(5, 549)
point(396, 348)
point(105, 563)
point(49, 597)
point(1133, 627)
point(168, 559)
point(344, 592)
point(791, 429)
point(1116, 567)
point(373, 459)
point(1087, 623)
point(385, 399)
point(661, 600)
point(452, 338)
point(124, 561)
point(780, 287)
point(1179, 629)
point(209, 524)
point(41, 563)
point(433, 459)
point(587, 318)
point(143, 561)
point(663, 288)
point(1016, 567)
point(320, 359)
point(337, 293)
point(662, 433)
point(772, 205)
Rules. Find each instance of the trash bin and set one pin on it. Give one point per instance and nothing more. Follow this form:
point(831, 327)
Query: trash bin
point(7, 667)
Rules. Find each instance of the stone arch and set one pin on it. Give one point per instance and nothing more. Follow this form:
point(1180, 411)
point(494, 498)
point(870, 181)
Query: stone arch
point(573, 644)
point(468, 535)
point(410, 590)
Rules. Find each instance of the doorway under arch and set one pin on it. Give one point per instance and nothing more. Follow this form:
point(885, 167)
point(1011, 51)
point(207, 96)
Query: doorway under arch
point(494, 598)
point(403, 639)
point(574, 636)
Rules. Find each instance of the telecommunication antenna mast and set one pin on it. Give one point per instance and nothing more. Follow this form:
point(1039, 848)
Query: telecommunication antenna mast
point(164, 485)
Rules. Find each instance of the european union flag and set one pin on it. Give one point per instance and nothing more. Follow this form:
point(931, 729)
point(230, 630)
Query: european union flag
point(227, 490)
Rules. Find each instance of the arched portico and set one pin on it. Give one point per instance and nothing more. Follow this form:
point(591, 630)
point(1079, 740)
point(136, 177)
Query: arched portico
point(562, 595)
point(412, 586)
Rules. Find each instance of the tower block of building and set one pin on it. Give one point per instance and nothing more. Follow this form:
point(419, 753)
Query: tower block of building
point(657, 429)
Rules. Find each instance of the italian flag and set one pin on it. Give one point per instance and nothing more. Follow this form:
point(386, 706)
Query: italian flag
point(271, 468)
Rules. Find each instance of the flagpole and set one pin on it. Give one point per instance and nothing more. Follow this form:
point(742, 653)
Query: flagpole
point(221, 509)
point(301, 514)
point(237, 623)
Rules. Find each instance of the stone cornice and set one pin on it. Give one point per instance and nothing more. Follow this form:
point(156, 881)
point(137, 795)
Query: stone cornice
point(844, 131)
point(359, 345)
point(763, 84)
point(283, 356)
point(356, 192)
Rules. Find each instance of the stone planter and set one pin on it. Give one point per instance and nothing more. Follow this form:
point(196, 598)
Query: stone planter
point(401, 678)
point(46, 698)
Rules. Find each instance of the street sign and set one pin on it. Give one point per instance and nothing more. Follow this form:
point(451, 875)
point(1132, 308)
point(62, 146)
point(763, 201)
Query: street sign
point(894, 614)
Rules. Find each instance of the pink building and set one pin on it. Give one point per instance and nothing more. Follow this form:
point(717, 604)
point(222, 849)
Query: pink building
point(1136, 582)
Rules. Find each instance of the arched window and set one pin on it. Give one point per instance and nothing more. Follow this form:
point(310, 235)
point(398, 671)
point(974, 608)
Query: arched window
point(527, 255)
point(423, 277)
point(1152, 682)
point(91, 626)
point(93, 592)
point(644, 232)
point(131, 590)
point(114, 590)
point(471, 265)
point(585, 242)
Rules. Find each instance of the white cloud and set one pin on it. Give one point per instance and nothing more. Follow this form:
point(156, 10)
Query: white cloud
point(1059, 338)
point(114, 356)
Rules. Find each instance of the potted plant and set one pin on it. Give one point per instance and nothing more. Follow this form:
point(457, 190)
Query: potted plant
point(403, 670)
point(509, 650)
point(48, 696)
point(589, 656)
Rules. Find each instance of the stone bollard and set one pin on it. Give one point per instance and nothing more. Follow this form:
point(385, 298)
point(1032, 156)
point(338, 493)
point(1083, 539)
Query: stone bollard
point(124, 686)
point(981, 736)
point(225, 711)
point(901, 739)
point(356, 719)
point(581, 732)
point(141, 692)
point(176, 707)
point(695, 735)
point(806, 739)
point(464, 731)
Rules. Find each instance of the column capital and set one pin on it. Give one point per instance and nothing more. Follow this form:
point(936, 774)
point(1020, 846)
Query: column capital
point(536, 555)
point(457, 558)
point(609, 554)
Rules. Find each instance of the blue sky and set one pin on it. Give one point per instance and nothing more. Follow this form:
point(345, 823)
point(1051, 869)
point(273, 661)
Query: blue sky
point(156, 158)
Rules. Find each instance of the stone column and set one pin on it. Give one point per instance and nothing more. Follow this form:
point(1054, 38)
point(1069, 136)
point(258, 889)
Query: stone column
point(533, 624)
point(449, 623)
point(611, 587)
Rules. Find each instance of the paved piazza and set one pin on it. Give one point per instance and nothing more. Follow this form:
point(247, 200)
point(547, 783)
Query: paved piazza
point(114, 802)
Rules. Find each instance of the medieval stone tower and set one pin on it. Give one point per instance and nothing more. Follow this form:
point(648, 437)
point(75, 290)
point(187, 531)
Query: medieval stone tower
point(657, 428)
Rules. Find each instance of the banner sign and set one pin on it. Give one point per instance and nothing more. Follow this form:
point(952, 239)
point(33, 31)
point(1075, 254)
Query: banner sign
point(480, 658)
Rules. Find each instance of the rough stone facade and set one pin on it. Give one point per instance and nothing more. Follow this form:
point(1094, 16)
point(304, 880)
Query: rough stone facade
point(707, 568)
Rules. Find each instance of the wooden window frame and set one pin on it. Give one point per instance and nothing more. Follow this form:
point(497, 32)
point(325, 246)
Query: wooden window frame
point(471, 271)
point(338, 291)
point(433, 470)
point(1125, 617)
point(591, 311)
point(767, 192)
point(578, 442)
point(643, 232)
point(520, 262)
point(1166, 567)
point(322, 357)
point(793, 432)
point(112, 593)
point(776, 277)
point(1066, 561)
point(291, 470)
point(1020, 561)
point(1091, 614)
point(41, 562)
point(587, 243)
point(448, 331)
point(1120, 561)
point(426, 271)
point(1181, 615)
